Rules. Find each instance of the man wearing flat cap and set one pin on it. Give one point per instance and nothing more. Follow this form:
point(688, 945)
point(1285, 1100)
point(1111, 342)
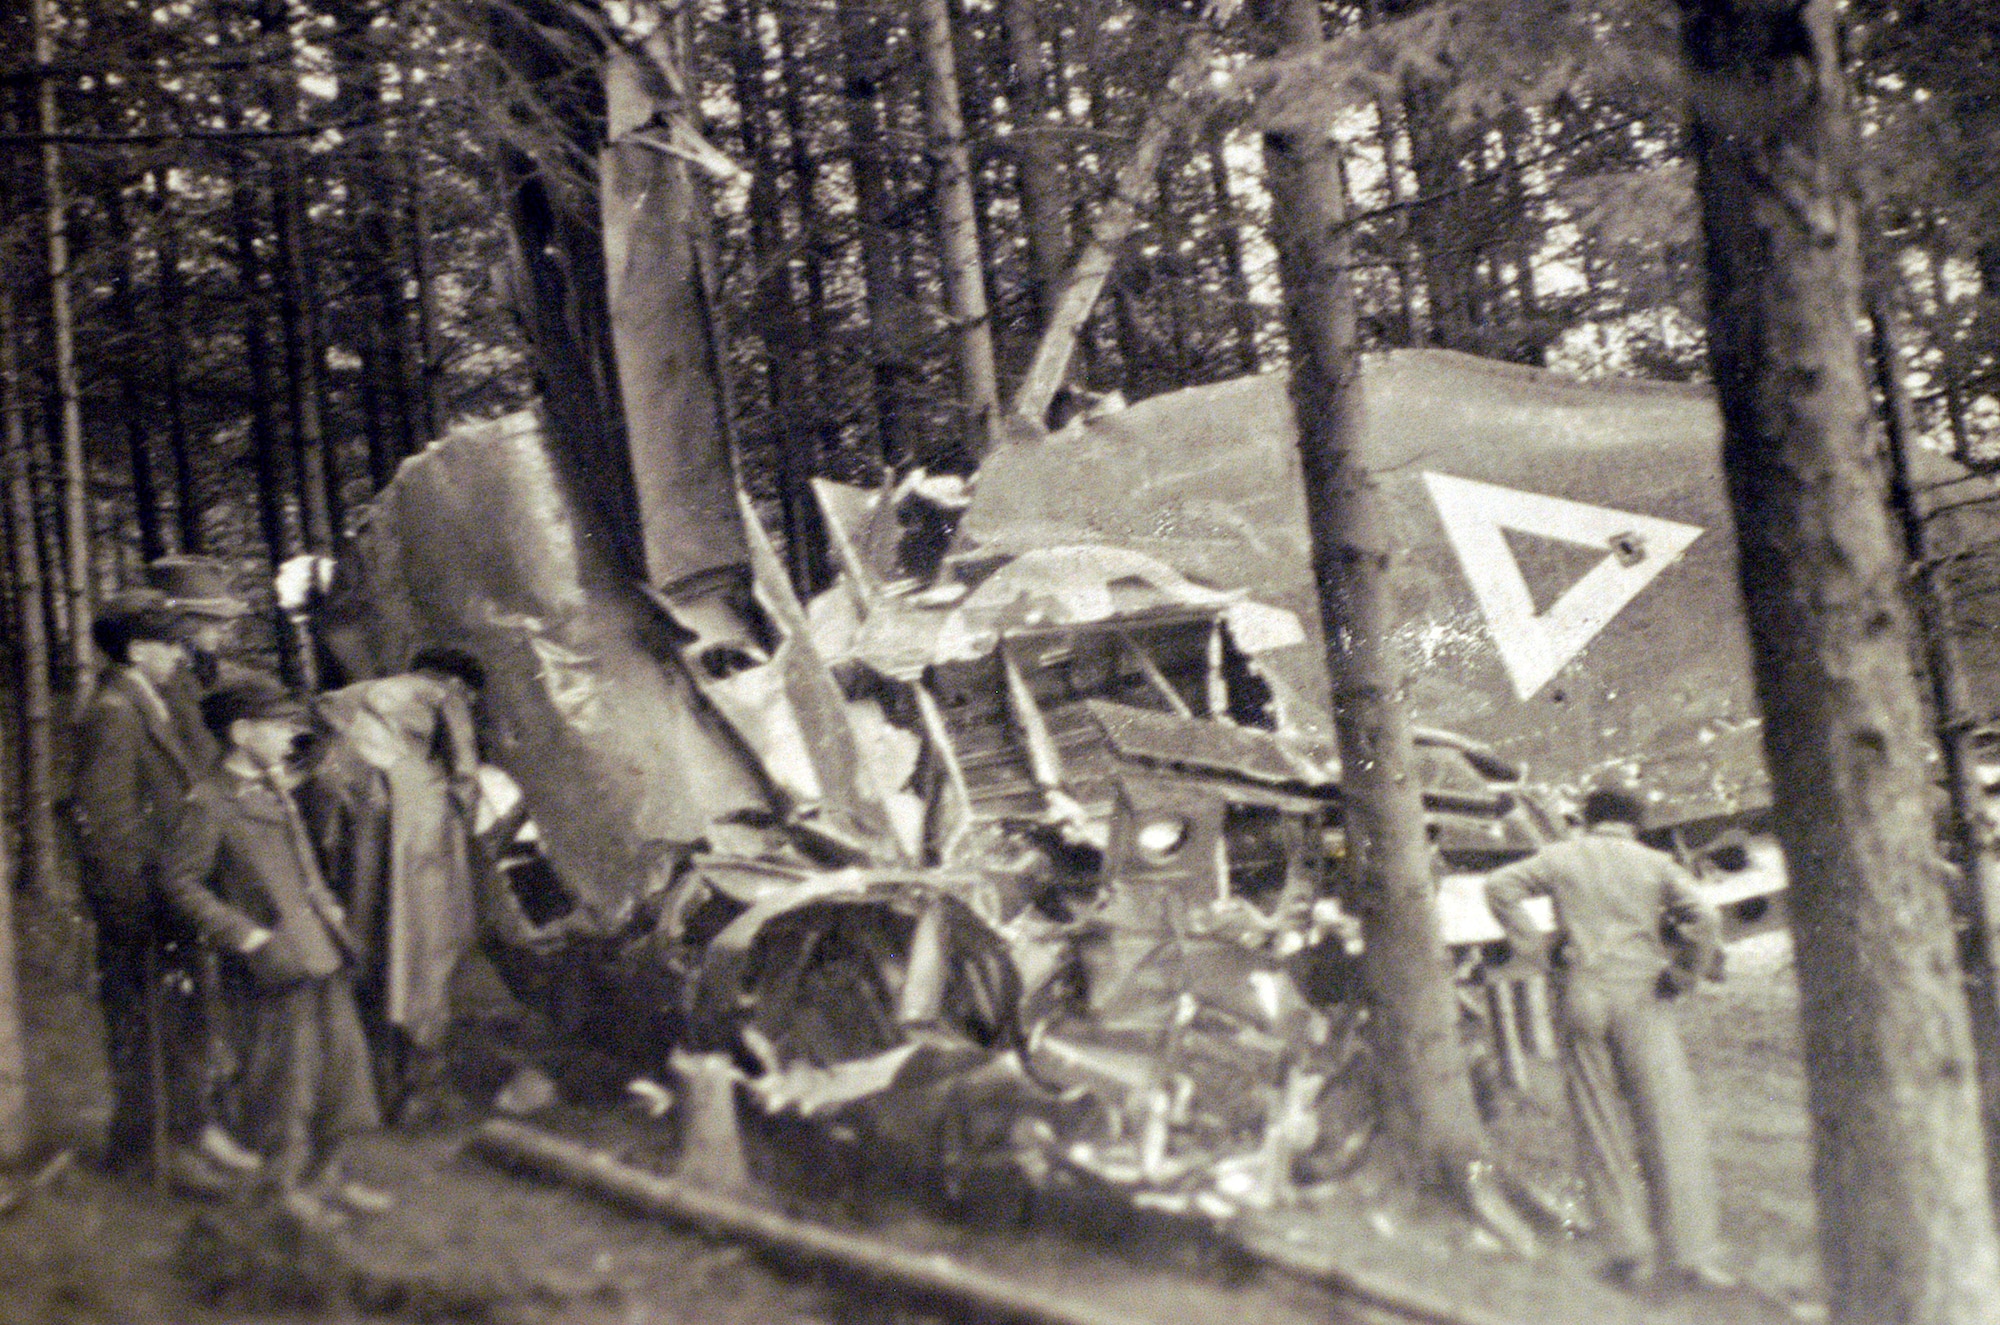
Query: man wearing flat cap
point(243, 869)
point(141, 746)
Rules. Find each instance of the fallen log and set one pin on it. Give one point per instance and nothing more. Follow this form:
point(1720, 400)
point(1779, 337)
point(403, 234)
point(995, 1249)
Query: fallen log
point(928, 1275)
point(920, 1274)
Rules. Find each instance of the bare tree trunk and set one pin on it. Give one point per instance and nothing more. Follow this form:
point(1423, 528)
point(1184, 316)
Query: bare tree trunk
point(1951, 715)
point(13, 1048)
point(1132, 188)
point(1427, 1093)
point(298, 316)
point(264, 457)
point(131, 359)
point(187, 500)
point(416, 218)
point(1236, 276)
point(1905, 1219)
point(76, 493)
point(1037, 162)
point(958, 224)
point(778, 321)
point(298, 312)
point(865, 60)
point(31, 626)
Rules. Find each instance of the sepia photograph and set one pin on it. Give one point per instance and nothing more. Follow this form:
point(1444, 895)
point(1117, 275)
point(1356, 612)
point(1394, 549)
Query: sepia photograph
point(1020, 662)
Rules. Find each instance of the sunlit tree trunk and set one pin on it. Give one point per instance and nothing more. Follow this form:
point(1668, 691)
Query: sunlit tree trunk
point(132, 361)
point(958, 226)
point(1427, 1095)
point(1905, 1218)
point(13, 1046)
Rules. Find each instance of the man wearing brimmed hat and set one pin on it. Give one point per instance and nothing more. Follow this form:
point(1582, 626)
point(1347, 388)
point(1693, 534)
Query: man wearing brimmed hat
point(1631, 934)
point(200, 593)
point(141, 746)
point(243, 868)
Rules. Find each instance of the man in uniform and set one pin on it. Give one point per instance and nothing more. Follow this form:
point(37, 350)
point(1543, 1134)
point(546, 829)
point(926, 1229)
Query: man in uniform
point(141, 747)
point(1631, 933)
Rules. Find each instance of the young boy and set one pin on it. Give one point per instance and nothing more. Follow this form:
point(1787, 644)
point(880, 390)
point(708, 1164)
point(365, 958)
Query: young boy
point(242, 868)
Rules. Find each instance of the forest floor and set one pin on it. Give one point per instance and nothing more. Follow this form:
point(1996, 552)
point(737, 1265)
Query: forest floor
point(469, 1243)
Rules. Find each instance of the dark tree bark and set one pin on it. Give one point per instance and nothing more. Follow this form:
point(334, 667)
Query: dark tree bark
point(78, 543)
point(865, 59)
point(428, 390)
point(13, 1046)
point(1951, 711)
point(265, 461)
point(1236, 276)
point(790, 407)
point(297, 303)
point(172, 339)
point(1037, 160)
point(1906, 1223)
point(131, 361)
point(31, 627)
point(1426, 1093)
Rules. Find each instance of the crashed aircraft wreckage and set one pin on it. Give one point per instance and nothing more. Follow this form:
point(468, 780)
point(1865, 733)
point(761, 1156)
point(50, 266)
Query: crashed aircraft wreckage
point(1030, 864)
point(1019, 853)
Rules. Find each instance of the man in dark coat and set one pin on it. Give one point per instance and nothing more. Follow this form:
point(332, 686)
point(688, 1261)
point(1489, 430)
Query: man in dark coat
point(243, 869)
point(1631, 933)
point(141, 746)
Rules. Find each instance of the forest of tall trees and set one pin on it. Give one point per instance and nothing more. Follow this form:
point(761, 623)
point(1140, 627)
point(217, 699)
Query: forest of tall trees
point(256, 251)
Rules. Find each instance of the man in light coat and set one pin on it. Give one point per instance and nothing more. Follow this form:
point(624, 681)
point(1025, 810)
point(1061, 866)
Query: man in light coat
point(1631, 933)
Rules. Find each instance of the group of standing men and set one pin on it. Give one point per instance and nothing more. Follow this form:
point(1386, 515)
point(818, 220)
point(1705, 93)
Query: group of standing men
point(281, 892)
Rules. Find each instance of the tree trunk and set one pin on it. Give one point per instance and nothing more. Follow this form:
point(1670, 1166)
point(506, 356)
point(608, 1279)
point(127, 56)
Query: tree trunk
point(187, 500)
point(31, 626)
point(13, 1048)
point(1906, 1224)
point(416, 222)
point(1426, 1092)
point(1037, 161)
point(264, 457)
point(77, 542)
point(1951, 714)
point(298, 312)
point(958, 225)
point(298, 317)
point(865, 59)
point(779, 325)
point(131, 360)
point(1236, 276)
point(1131, 189)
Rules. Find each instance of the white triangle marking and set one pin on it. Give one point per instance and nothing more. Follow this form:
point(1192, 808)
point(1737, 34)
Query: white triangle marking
point(1535, 646)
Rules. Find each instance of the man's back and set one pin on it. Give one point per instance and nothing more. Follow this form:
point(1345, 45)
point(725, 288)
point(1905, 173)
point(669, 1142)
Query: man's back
point(1611, 894)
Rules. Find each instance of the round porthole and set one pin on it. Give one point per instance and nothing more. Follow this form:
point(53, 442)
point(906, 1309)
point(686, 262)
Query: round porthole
point(1160, 838)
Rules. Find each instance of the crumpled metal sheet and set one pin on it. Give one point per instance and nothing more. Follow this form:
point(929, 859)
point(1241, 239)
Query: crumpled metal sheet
point(475, 545)
point(1207, 479)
